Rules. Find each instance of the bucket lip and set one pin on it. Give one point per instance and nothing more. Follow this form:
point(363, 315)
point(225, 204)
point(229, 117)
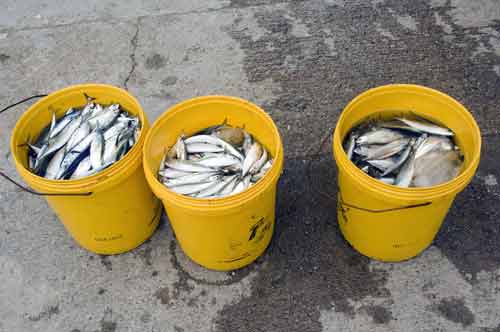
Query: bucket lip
point(422, 193)
point(164, 192)
point(132, 157)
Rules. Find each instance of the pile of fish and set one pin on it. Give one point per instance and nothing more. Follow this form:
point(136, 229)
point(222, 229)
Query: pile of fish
point(405, 152)
point(83, 141)
point(216, 162)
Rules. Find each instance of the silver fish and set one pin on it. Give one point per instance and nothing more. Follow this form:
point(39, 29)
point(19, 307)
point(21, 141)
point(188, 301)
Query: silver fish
point(84, 169)
point(228, 189)
point(379, 136)
point(427, 127)
point(192, 178)
point(210, 191)
point(203, 148)
point(60, 140)
point(105, 118)
point(433, 143)
point(74, 156)
point(97, 151)
point(387, 180)
point(216, 141)
point(253, 155)
point(190, 189)
point(247, 143)
point(218, 161)
point(240, 186)
point(406, 173)
point(350, 146)
point(171, 173)
point(180, 148)
point(400, 161)
point(382, 164)
point(82, 132)
point(187, 166)
point(63, 123)
point(259, 163)
point(54, 165)
point(436, 167)
point(382, 152)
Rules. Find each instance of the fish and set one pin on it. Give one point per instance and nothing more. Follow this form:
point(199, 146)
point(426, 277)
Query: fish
point(223, 160)
point(190, 189)
point(259, 163)
point(180, 148)
point(97, 150)
point(427, 127)
point(253, 155)
point(187, 166)
point(174, 173)
point(349, 148)
point(192, 178)
point(436, 167)
point(433, 143)
point(379, 136)
point(54, 165)
point(400, 161)
point(382, 164)
point(234, 136)
point(216, 156)
point(422, 153)
point(216, 141)
point(203, 148)
point(213, 190)
point(79, 134)
point(65, 145)
point(383, 151)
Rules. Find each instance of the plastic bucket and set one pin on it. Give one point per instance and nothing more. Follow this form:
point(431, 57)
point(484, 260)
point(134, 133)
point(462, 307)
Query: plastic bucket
point(110, 212)
point(387, 222)
point(224, 233)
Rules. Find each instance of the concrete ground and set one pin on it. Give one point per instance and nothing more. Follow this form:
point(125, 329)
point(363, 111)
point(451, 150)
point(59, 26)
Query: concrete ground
point(302, 61)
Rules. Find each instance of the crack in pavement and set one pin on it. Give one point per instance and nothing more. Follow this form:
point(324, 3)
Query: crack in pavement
point(133, 42)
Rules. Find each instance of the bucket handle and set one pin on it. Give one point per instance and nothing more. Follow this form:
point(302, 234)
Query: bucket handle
point(28, 190)
point(352, 206)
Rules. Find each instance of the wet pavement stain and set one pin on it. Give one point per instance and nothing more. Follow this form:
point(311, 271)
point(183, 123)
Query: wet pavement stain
point(379, 314)
point(454, 309)
point(309, 266)
point(106, 262)
point(155, 61)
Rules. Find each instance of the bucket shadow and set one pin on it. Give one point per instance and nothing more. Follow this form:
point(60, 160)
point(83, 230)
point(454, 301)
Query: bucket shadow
point(309, 266)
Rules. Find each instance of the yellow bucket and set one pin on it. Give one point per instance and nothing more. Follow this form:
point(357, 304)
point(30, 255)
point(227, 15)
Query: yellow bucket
point(387, 222)
point(110, 212)
point(223, 233)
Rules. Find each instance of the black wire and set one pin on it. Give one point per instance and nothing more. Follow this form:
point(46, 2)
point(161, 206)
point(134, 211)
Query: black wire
point(22, 101)
point(41, 194)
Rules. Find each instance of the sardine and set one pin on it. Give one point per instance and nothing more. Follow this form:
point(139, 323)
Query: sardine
point(234, 136)
point(210, 191)
point(216, 141)
point(82, 132)
point(259, 163)
point(63, 123)
point(400, 161)
point(54, 165)
point(190, 189)
point(192, 178)
point(381, 152)
point(405, 176)
point(174, 173)
point(180, 147)
point(187, 166)
point(203, 148)
point(379, 136)
point(247, 142)
point(349, 149)
point(436, 167)
point(382, 164)
point(253, 155)
point(223, 160)
point(60, 140)
point(97, 151)
point(433, 143)
point(427, 127)
point(84, 169)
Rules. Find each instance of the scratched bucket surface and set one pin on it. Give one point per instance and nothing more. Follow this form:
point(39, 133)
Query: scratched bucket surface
point(120, 211)
point(223, 233)
point(387, 222)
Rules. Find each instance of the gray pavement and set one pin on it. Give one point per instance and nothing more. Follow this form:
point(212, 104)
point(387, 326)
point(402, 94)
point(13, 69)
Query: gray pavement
point(302, 61)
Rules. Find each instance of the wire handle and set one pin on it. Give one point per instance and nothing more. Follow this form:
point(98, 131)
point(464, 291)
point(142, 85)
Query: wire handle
point(26, 189)
point(352, 206)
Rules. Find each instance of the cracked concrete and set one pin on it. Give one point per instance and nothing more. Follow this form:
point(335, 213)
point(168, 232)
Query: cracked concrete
point(302, 61)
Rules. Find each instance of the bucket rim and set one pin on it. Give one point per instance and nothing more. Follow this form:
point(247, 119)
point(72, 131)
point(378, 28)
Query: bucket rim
point(96, 181)
point(451, 187)
point(213, 204)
